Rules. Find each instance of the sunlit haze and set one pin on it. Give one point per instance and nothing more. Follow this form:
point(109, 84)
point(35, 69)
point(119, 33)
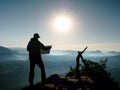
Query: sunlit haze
point(64, 24)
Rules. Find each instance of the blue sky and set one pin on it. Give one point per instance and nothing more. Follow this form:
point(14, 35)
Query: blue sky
point(96, 23)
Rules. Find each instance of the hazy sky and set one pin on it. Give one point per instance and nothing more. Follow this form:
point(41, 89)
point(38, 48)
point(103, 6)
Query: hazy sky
point(96, 23)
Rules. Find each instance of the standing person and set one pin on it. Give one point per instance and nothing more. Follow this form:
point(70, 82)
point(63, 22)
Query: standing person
point(33, 48)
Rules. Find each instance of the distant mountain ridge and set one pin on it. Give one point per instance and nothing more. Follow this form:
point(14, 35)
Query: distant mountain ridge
point(86, 53)
point(5, 50)
point(114, 52)
point(96, 51)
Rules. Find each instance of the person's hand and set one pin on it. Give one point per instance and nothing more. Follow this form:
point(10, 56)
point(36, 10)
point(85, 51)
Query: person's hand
point(49, 47)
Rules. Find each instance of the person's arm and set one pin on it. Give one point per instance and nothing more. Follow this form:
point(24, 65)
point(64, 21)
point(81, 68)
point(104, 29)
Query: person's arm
point(28, 47)
point(42, 46)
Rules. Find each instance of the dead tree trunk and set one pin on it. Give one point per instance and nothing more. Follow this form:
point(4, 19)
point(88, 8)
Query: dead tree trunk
point(78, 61)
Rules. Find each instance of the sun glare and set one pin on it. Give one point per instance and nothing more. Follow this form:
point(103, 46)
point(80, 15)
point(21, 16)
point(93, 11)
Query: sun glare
point(62, 23)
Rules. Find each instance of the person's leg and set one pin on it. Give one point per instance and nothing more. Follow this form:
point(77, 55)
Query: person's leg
point(41, 65)
point(31, 73)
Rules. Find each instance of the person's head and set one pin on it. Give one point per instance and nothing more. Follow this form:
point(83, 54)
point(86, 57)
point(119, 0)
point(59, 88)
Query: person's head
point(36, 35)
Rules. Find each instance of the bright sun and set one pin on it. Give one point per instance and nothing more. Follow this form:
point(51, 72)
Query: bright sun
point(62, 23)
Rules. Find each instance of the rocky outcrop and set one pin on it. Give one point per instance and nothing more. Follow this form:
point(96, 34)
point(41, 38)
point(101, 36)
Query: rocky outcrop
point(55, 82)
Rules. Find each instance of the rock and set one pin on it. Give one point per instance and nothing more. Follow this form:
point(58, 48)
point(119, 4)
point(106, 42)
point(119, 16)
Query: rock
point(87, 79)
point(55, 82)
point(49, 86)
point(73, 80)
point(53, 79)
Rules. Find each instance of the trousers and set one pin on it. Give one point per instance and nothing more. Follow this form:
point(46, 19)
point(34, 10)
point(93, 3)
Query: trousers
point(36, 59)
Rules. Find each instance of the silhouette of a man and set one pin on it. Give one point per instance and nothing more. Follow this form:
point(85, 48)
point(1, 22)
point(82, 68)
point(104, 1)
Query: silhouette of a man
point(33, 48)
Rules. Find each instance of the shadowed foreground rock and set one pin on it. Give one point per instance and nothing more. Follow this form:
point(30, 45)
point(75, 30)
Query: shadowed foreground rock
point(55, 82)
